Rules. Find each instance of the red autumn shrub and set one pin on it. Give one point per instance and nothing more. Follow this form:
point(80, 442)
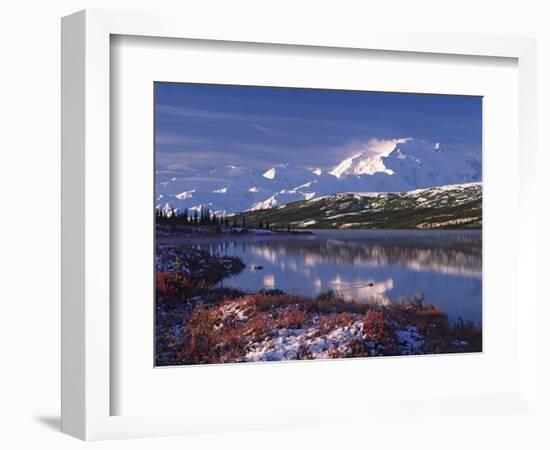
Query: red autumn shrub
point(166, 284)
point(258, 326)
point(201, 337)
point(292, 318)
point(213, 336)
point(376, 327)
point(267, 302)
point(170, 284)
point(430, 321)
point(231, 343)
point(331, 321)
point(333, 305)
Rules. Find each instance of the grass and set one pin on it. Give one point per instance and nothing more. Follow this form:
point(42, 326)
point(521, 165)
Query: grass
point(226, 331)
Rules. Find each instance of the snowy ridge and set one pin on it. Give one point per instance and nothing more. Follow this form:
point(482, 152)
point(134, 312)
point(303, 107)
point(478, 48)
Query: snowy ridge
point(381, 166)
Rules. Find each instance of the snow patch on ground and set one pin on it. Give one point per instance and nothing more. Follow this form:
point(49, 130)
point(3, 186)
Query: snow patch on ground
point(292, 343)
point(235, 311)
point(343, 215)
point(349, 225)
point(410, 341)
point(260, 231)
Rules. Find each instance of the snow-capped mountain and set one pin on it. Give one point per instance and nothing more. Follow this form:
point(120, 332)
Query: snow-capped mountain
point(383, 166)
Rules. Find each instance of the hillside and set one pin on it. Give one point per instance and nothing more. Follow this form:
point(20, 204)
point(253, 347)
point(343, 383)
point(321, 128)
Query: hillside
point(444, 207)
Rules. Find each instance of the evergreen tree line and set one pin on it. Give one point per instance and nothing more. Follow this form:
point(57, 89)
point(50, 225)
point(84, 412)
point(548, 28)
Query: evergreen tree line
point(203, 217)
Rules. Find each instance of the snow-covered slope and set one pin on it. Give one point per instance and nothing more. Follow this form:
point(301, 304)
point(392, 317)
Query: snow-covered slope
point(382, 166)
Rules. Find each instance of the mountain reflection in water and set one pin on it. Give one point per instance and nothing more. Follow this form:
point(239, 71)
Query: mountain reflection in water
point(373, 266)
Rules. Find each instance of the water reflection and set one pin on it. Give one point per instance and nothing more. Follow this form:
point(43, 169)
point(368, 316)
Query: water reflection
point(382, 266)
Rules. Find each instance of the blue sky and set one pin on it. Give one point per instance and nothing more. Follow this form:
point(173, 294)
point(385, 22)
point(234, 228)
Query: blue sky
point(201, 127)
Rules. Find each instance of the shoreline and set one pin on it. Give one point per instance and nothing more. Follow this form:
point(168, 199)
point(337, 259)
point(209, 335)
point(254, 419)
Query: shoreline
point(237, 237)
point(429, 239)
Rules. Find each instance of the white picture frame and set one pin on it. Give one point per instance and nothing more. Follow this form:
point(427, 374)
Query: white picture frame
point(86, 245)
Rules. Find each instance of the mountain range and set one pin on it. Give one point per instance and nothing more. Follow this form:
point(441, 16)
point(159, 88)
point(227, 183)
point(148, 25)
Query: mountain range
point(397, 165)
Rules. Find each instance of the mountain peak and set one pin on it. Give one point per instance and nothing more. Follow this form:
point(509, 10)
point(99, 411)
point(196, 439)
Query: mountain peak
point(342, 168)
point(270, 174)
point(369, 160)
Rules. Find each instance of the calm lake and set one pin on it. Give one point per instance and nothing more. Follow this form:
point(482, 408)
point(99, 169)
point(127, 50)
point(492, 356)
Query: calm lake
point(371, 266)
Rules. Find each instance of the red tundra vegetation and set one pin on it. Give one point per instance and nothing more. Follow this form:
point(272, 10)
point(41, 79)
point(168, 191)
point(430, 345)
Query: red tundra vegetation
point(279, 326)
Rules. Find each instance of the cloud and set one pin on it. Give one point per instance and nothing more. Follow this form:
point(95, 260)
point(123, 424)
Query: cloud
point(253, 118)
point(266, 130)
point(176, 139)
point(189, 155)
point(367, 157)
point(196, 113)
point(191, 161)
point(374, 147)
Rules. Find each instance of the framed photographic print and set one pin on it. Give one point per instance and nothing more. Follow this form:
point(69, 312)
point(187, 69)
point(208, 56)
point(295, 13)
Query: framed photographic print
point(259, 226)
point(298, 224)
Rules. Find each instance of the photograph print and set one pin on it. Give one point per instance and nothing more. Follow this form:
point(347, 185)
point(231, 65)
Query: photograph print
point(303, 224)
